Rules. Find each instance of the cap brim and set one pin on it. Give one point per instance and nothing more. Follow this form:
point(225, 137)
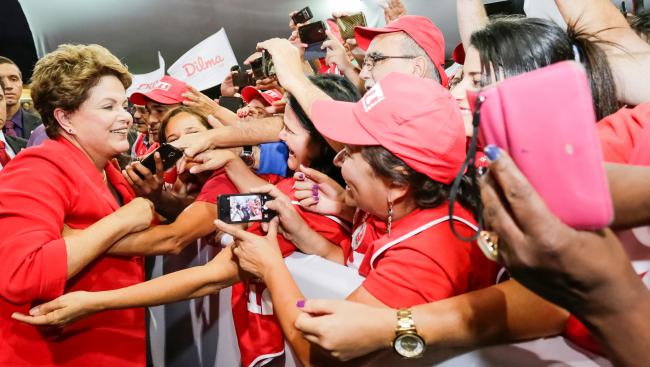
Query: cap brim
point(142, 98)
point(250, 93)
point(365, 35)
point(337, 121)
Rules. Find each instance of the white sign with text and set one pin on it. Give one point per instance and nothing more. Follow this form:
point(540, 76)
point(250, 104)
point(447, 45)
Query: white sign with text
point(206, 64)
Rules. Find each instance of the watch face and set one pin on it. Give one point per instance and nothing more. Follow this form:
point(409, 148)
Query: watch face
point(409, 346)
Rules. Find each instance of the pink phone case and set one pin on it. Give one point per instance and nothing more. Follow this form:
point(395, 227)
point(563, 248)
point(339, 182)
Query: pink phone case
point(546, 121)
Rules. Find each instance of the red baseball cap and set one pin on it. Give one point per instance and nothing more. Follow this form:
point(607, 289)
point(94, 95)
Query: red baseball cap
point(420, 29)
point(167, 91)
point(416, 119)
point(268, 96)
point(458, 55)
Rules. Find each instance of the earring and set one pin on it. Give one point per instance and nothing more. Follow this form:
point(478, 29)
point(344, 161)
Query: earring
point(70, 130)
point(390, 216)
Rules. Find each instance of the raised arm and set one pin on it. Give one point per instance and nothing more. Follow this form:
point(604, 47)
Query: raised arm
point(471, 17)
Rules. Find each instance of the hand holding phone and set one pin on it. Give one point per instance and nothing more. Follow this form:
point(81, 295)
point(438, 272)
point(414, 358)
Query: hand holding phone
point(168, 154)
point(244, 208)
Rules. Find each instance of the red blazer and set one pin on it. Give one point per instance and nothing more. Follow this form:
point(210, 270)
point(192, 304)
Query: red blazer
point(40, 190)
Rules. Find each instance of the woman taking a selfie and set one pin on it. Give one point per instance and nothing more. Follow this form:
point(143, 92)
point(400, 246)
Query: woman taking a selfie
point(70, 180)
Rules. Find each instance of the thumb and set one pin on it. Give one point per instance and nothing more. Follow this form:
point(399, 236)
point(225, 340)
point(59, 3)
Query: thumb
point(214, 122)
point(273, 228)
point(314, 175)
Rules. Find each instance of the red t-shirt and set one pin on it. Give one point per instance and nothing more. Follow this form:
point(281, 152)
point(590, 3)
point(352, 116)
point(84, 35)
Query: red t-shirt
point(40, 190)
point(619, 132)
point(259, 334)
point(422, 261)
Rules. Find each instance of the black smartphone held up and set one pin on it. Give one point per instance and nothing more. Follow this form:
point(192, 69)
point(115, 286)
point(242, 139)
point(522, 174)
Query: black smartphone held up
point(241, 78)
point(312, 33)
point(231, 103)
point(244, 208)
point(168, 154)
point(302, 16)
point(257, 68)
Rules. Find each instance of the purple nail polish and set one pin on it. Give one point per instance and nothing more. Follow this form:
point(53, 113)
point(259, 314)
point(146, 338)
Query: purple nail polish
point(300, 304)
point(301, 176)
point(316, 198)
point(492, 152)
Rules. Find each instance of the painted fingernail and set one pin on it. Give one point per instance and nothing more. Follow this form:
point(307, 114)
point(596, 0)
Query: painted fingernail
point(492, 152)
point(34, 311)
point(300, 304)
point(316, 198)
point(301, 176)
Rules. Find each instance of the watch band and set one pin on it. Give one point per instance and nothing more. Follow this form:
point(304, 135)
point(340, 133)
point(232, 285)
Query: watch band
point(247, 155)
point(404, 321)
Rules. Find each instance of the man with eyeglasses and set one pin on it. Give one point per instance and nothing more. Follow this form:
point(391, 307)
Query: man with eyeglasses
point(141, 122)
point(409, 45)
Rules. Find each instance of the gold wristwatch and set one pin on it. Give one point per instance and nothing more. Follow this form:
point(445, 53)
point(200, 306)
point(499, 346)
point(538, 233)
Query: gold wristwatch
point(407, 342)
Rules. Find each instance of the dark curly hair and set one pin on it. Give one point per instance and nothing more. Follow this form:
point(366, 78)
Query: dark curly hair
point(426, 192)
point(340, 89)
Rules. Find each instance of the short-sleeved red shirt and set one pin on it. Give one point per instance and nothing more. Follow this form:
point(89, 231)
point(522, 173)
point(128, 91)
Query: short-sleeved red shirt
point(422, 261)
point(619, 132)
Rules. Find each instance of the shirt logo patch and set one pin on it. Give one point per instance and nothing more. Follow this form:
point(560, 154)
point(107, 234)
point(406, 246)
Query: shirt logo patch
point(373, 97)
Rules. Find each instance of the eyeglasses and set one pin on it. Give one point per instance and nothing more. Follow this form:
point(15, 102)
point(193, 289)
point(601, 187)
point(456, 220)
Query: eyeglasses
point(373, 58)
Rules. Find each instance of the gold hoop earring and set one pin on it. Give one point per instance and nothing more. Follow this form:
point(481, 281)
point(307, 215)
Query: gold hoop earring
point(390, 216)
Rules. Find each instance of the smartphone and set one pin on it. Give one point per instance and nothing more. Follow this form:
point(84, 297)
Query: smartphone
point(268, 69)
point(244, 208)
point(312, 33)
point(263, 67)
point(555, 144)
point(347, 23)
point(302, 16)
point(168, 154)
point(241, 78)
point(257, 68)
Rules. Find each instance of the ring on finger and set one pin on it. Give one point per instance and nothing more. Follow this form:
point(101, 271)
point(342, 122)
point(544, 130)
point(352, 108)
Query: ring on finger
point(488, 242)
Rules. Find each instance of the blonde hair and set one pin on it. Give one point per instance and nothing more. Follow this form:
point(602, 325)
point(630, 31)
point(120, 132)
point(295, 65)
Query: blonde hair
point(62, 79)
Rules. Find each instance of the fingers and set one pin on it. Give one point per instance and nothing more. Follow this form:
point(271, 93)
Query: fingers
point(214, 122)
point(160, 171)
point(319, 307)
point(497, 218)
point(272, 232)
point(269, 189)
point(528, 208)
point(234, 231)
point(31, 320)
point(314, 175)
point(45, 308)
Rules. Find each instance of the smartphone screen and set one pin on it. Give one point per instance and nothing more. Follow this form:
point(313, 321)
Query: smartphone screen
point(231, 103)
point(168, 154)
point(244, 208)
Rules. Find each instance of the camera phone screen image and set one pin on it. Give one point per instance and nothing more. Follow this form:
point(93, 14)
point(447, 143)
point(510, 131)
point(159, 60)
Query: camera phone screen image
point(245, 208)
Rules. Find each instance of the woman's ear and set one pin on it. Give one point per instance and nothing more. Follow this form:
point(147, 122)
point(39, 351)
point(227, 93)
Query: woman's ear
point(62, 117)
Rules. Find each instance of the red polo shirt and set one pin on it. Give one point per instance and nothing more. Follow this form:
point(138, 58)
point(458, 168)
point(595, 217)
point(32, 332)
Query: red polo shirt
point(40, 190)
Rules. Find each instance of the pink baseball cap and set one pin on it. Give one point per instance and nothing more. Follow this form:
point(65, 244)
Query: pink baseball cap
point(420, 29)
point(268, 96)
point(416, 119)
point(166, 91)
